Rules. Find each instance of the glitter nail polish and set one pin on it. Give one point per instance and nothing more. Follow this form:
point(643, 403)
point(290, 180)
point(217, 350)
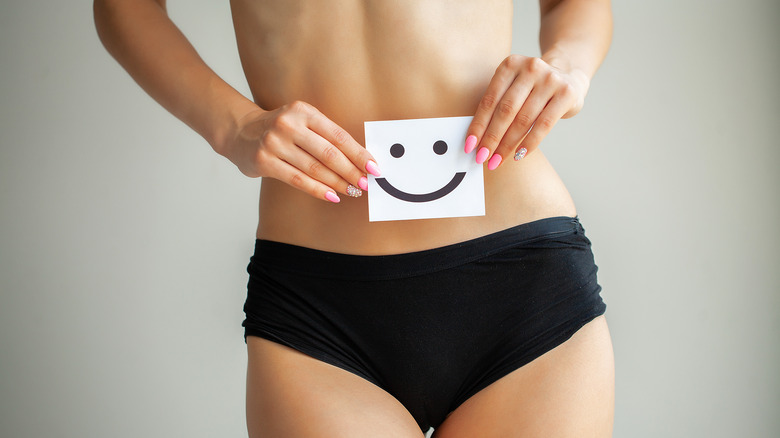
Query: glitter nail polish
point(354, 191)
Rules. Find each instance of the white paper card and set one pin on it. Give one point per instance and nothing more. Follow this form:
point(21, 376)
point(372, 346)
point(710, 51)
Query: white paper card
point(425, 173)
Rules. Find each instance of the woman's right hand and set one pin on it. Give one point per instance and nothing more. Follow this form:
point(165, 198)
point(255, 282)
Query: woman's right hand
point(298, 145)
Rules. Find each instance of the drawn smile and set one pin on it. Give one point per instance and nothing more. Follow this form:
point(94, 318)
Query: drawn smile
point(425, 197)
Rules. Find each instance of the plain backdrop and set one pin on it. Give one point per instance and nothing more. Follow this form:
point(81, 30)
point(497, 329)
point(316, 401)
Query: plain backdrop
point(124, 238)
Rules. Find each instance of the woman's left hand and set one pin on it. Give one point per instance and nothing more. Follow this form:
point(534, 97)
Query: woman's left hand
point(524, 100)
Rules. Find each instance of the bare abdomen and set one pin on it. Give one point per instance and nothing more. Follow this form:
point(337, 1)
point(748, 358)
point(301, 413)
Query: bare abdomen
point(382, 60)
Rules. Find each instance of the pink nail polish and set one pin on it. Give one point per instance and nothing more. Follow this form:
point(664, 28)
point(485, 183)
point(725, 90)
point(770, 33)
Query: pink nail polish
point(495, 160)
point(330, 196)
point(363, 183)
point(372, 168)
point(482, 155)
point(471, 143)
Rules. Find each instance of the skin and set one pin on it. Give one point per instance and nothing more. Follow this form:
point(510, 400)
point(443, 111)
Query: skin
point(317, 71)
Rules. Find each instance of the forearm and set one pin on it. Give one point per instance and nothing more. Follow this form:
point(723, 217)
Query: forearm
point(575, 34)
point(156, 54)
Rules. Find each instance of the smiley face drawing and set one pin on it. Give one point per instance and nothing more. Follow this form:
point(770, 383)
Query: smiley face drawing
point(440, 147)
point(425, 172)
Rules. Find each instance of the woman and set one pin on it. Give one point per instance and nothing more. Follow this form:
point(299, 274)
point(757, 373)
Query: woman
point(476, 326)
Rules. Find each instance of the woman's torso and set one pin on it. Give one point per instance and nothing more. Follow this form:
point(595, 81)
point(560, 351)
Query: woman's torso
point(361, 60)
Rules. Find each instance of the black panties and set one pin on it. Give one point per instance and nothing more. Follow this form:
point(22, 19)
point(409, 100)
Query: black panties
point(433, 327)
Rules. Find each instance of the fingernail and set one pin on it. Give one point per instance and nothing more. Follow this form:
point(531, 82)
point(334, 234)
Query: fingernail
point(354, 191)
point(482, 155)
point(471, 143)
point(363, 183)
point(332, 197)
point(520, 154)
point(495, 160)
point(372, 168)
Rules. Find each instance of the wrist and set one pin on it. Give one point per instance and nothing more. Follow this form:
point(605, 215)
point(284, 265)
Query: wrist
point(564, 63)
point(228, 126)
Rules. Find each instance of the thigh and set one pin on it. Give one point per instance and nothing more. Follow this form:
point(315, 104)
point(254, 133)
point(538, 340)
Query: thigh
point(567, 392)
point(290, 394)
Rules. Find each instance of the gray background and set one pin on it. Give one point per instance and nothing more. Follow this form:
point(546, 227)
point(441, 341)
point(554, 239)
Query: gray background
point(124, 238)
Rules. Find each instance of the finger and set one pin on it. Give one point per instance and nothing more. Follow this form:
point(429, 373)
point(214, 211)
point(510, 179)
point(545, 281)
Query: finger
point(296, 178)
point(521, 125)
point(504, 117)
point(555, 109)
point(501, 81)
point(330, 157)
point(360, 158)
point(313, 166)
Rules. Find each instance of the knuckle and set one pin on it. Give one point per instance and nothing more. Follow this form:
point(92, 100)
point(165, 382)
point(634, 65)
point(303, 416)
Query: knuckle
point(340, 135)
point(523, 120)
point(551, 78)
point(299, 106)
point(512, 61)
point(491, 138)
point(296, 180)
point(478, 126)
point(568, 91)
point(534, 65)
point(314, 168)
point(284, 122)
point(545, 123)
point(330, 154)
point(507, 108)
point(270, 138)
point(488, 102)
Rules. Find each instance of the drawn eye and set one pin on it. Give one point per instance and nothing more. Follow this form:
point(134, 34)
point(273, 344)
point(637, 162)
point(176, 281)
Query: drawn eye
point(440, 147)
point(397, 150)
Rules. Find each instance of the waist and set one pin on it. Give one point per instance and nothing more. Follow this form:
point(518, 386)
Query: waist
point(516, 193)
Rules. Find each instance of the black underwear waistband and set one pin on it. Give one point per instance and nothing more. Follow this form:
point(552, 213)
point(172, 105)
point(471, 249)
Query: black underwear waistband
point(325, 264)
